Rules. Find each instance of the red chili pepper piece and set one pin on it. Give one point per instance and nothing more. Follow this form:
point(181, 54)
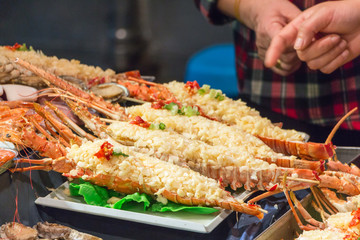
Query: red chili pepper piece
point(350, 237)
point(14, 47)
point(158, 105)
point(273, 188)
point(102, 80)
point(96, 81)
point(252, 205)
point(106, 151)
point(140, 122)
point(92, 82)
point(316, 175)
point(135, 74)
point(192, 85)
point(322, 167)
point(221, 183)
point(356, 219)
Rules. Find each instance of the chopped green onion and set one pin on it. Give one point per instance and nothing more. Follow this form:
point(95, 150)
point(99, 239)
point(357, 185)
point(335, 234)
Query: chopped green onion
point(212, 93)
point(216, 94)
point(185, 110)
point(206, 87)
point(175, 110)
point(201, 91)
point(189, 111)
point(162, 126)
point(221, 97)
point(24, 48)
point(120, 154)
point(155, 126)
point(170, 106)
point(173, 107)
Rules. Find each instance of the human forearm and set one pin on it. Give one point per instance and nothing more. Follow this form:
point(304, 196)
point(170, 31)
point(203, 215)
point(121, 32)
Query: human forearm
point(253, 12)
point(242, 10)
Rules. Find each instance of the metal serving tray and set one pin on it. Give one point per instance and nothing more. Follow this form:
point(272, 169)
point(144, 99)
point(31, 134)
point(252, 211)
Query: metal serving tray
point(286, 227)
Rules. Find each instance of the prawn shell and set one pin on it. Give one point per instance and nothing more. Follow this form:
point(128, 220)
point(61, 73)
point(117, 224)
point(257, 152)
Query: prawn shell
point(305, 150)
point(6, 157)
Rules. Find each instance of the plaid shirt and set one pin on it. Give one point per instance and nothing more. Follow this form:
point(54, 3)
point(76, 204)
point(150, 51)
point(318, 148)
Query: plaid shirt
point(306, 95)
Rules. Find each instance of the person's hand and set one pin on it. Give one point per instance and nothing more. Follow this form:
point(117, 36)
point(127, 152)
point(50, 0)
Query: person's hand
point(327, 53)
point(267, 19)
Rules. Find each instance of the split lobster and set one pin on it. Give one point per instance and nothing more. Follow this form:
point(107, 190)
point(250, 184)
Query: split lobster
point(98, 161)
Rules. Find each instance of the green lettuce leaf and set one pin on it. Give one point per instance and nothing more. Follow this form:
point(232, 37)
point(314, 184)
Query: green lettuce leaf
point(174, 207)
point(93, 194)
point(99, 196)
point(128, 201)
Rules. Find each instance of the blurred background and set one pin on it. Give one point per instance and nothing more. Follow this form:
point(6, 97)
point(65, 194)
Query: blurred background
point(156, 37)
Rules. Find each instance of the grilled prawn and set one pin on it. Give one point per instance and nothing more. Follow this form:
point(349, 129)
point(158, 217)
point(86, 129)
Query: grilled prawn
point(107, 163)
point(110, 164)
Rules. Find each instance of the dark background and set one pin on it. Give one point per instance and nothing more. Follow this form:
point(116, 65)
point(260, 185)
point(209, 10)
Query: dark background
point(154, 36)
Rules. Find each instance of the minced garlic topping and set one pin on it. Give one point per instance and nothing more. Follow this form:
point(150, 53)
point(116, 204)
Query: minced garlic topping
point(143, 169)
point(353, 202)
point(337, 227)
point(233, 113)
point(172, 143)
point(206, 130)
point(54, 65)
point(327, 234)
point(341, 221)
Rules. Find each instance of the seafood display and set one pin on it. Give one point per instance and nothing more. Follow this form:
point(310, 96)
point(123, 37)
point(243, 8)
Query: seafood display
point(118, 167)
point(45, 230)
point(268, 178)
point(12, 73)
point(186, 145)
point(340, 222)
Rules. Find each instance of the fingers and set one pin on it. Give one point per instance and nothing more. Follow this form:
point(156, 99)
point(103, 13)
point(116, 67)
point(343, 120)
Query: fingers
point(320, 47)
point(298, 33)
point(314, 20)
point(317, 57)
point(280, 43)
point(287, 64)
point(340, 60)
point(325, 54)
point(285, 69)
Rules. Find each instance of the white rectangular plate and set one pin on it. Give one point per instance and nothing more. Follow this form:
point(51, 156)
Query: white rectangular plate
point(202, 223)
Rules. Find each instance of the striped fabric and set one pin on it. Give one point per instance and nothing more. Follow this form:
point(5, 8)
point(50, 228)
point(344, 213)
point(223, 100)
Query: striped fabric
point(306, 95)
